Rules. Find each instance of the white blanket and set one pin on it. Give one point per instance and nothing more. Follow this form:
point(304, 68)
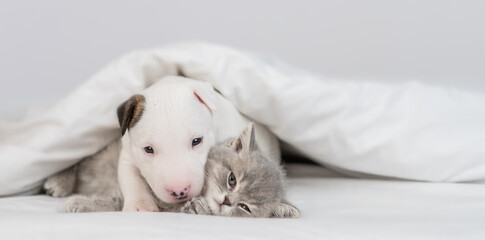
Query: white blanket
point(409, 130)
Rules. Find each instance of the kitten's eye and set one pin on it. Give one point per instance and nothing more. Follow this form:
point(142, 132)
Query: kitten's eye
point(148, 149)
point(196, 141)
point(231, 180)
point(244, 207)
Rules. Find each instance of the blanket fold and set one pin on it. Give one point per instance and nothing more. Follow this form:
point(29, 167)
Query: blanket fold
point(410, 130)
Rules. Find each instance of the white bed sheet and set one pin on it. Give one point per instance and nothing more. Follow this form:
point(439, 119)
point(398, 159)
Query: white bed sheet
point(331, 208)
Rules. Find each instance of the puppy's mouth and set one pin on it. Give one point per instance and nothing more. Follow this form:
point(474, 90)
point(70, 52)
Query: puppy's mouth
point(170, 199)
point(178, 199)
point(181, 197)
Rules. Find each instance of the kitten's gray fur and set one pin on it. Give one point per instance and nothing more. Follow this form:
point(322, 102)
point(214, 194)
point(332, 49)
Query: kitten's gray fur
point(259, 183)
point(93, 183)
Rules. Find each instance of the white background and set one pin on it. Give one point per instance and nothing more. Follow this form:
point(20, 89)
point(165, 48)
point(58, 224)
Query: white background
point(47, 48)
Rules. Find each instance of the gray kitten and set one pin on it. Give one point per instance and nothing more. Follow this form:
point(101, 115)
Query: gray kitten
point(240, 181)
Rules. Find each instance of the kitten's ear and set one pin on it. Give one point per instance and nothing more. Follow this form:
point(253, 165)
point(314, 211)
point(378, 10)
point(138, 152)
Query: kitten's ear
point(284, 210)
point(245, 143)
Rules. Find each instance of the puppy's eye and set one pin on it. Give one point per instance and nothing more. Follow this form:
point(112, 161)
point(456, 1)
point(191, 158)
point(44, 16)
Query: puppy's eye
point(196, 141)
point(231, 180)
point(244, 207)
point(148, 149)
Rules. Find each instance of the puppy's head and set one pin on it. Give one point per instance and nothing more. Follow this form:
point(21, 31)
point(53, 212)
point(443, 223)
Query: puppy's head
point(170, 132)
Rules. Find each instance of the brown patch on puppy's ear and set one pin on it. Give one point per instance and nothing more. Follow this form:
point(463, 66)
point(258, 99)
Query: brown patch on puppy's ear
point(130, 111)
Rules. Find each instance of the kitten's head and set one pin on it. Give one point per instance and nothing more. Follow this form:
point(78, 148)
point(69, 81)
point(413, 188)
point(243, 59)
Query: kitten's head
point(242, 181)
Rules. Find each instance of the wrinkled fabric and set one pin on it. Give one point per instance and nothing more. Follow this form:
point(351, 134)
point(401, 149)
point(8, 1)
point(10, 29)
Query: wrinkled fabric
point(409, 130)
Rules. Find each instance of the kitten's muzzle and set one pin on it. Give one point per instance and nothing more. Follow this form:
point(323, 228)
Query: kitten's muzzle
point(226, 202)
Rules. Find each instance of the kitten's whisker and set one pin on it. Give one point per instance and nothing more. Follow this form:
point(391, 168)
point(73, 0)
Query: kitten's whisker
point(212, 183)
point(215, 186)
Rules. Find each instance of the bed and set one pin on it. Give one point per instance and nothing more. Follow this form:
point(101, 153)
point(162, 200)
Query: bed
point(332, 207)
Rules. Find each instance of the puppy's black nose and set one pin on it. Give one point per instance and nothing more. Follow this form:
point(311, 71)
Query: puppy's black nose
point(180, 193)
point(226, 202)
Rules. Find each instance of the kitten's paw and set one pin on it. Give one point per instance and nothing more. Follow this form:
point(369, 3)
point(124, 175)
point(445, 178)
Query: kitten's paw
point(58, 186)
point(78, 204)
point(189, 207)
point(140, 205)
point(196, 206)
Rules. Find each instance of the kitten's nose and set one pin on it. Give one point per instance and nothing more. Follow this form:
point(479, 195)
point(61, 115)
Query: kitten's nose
point(179, 193)
point(226, 201)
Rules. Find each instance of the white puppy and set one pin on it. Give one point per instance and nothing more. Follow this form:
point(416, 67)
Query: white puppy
point(168, 130)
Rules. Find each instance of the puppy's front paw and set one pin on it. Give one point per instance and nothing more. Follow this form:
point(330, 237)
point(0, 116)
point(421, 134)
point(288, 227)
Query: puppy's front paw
point(140, 205)
point(196, 206)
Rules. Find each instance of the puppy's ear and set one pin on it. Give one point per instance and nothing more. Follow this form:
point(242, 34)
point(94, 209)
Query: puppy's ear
point(130, 112)
point(204, 92)
point(245, 143)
